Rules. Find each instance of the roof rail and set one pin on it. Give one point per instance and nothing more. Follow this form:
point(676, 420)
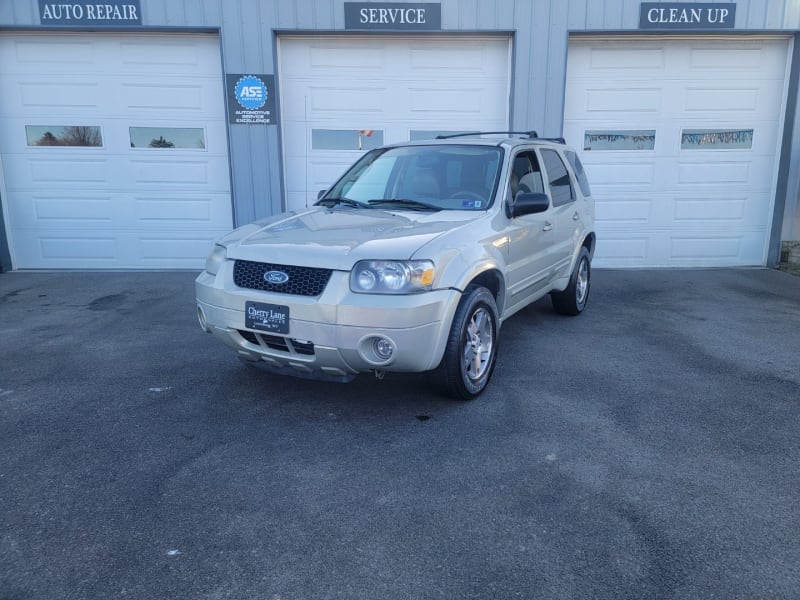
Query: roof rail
point(557, 140)
point(530, 134)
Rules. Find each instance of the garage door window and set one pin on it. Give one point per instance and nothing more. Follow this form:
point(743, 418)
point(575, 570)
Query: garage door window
point(346, 139)
point(168, 137)
point(641, 139)
point(716, 139)
point(64, 135)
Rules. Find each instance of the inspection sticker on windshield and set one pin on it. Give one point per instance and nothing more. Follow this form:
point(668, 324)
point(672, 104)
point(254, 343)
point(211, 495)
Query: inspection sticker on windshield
point(471, 203)
point(273, 318)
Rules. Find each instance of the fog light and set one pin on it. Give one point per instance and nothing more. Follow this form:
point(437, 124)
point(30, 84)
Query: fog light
point(383, 348)
point(201, 317)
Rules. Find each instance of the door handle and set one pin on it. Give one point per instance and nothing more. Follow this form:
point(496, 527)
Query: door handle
point(547, 226)
point(576, 216)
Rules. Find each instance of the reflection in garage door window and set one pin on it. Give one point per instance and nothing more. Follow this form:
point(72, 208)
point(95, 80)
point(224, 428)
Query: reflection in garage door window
point(64, 135)
point(716, 139)
point(627, 139)
point(168, 137)
point(346, 139)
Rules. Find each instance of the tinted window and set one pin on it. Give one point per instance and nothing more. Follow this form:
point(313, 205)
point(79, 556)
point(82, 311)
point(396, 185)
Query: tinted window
point(577, 168)
point(558, 177)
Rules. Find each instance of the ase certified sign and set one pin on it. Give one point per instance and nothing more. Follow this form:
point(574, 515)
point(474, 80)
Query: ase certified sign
point(251, 99)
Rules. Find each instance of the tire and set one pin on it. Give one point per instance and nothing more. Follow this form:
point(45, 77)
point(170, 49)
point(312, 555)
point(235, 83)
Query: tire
point(471, 350)
point(572, 300)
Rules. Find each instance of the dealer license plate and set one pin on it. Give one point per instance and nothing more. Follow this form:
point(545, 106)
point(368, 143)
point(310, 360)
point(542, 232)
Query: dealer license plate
point(273, 318)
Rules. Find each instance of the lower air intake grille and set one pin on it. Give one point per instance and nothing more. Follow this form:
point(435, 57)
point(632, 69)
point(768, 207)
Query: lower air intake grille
point(281, 344)
point(302, 281)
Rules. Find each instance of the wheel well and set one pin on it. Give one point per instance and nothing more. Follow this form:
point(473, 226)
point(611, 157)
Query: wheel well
point(589, 242)
point(492, 280)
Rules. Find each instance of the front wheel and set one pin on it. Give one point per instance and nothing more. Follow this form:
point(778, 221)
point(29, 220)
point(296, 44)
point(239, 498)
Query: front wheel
point(471, 350)
point(572, 300)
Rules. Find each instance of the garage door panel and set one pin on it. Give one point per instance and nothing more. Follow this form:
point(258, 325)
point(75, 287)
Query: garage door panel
point(67, 93)
point(610, 58)
point(26, 54)
point(69, 210)
point(611, 100)
point(86, 170)
point(622, 249)
point(460, 99)
point(700, 249)
point(710, 173)
point(324, 58)
point(624, 210)
point(712, 210)
point(187, 56)
point(616, 176)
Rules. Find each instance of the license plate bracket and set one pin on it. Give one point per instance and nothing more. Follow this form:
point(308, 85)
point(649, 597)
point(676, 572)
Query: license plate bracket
point(271, 318)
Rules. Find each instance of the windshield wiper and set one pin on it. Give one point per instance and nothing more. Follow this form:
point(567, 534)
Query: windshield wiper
point(331, 202)
point(405, 203)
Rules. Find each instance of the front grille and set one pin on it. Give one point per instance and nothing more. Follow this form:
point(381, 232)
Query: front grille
point(303, 281)
point(276, 342)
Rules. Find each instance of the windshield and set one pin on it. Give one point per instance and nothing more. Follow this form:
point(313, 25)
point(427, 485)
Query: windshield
point(443, 177)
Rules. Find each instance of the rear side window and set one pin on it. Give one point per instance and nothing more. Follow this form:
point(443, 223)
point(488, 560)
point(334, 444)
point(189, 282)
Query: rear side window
point(558, 177)
point(577, 168)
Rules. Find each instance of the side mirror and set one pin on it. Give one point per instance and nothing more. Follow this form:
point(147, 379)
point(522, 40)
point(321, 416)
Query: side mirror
point(321, 193)
point(530, 204)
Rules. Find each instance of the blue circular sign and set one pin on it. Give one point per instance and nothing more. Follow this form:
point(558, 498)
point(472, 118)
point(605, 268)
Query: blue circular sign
point(251, 92)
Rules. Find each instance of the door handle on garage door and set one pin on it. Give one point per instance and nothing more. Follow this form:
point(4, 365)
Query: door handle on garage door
point(547, 226)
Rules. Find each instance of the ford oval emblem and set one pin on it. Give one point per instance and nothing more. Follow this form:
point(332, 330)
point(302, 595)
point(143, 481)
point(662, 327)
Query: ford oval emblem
point(276, 277)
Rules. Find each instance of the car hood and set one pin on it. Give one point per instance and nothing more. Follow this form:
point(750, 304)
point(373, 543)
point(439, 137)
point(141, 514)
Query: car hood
point(336, 238)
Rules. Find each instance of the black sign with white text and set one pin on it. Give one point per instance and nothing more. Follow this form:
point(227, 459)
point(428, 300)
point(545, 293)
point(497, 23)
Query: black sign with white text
point(683, 15)
point(393, 16)
point(109, 12)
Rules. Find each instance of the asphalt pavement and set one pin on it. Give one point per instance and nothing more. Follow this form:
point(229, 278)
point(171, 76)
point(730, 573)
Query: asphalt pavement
point(649, 448)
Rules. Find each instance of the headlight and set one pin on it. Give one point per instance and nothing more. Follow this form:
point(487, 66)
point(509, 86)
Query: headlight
point(214, 261)
point(392, 276)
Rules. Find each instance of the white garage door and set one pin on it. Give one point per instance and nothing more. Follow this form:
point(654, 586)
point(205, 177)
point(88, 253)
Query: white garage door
point(113, 148)
point(680, 138)
point(342, 96)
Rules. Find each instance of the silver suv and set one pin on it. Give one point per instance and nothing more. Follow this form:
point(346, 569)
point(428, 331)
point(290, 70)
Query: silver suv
point(411, 262)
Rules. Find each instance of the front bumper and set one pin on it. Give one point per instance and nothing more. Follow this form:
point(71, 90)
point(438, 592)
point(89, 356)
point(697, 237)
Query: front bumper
point(331, 336)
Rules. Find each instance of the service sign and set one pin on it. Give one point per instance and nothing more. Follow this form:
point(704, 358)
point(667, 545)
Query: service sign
point(683, 15)
point(393, 16)
point(251, 99)
point(109, 12)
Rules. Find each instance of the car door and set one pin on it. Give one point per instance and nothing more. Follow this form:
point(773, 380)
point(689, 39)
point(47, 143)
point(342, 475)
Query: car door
point(530, 237)
point(566, 211)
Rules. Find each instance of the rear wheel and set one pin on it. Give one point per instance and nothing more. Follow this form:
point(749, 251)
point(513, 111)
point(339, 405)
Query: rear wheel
point(572, 300)
point(471, 350)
